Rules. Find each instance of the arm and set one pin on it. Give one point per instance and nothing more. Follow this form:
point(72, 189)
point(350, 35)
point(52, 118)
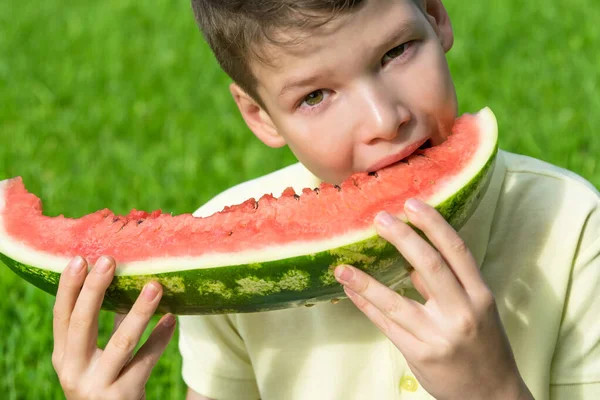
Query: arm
point(191, 395)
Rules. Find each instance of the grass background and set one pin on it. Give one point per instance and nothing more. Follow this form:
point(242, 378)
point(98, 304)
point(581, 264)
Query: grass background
point(120, 104)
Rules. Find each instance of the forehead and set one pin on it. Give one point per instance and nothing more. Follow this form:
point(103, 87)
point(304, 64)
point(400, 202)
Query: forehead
point(294, 52)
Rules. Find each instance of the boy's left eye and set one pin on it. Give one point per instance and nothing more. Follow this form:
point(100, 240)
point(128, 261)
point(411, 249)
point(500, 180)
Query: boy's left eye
point(396, 52)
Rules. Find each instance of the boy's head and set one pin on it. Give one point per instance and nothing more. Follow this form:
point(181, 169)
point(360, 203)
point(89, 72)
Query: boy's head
point(348, 85)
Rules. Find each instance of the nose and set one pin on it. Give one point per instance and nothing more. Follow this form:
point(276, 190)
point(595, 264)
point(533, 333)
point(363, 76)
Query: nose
point(381, 113)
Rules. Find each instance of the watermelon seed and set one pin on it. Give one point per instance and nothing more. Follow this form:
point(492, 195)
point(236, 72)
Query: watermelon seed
point(230, 233)
point(316, 190)
point(115, 219)
point(123, 226)
point(255, 205)
point(339, 189)
point(335, 301)
point(296, 197)
point(140, 221)
point(373, 174)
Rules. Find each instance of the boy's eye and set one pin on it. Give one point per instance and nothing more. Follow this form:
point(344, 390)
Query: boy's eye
point(314, 98)
point(394, 53)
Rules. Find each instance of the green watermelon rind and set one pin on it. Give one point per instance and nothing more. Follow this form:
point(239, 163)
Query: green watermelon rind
point(291, 282)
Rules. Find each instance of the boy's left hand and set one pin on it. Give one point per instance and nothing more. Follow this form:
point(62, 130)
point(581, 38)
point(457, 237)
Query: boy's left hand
point(454, 343)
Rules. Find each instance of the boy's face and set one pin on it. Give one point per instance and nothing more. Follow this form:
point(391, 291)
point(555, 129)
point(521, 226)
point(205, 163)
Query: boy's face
point(360, 93)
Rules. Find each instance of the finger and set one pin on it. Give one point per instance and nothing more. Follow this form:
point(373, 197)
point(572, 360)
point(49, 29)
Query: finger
point(117, 322)
point(136, 373)
point(83, 327)
point(417, 282)
point(439, 280)
point(403, 339)
point(69, 285)
point(121, 345)
point(441, 234)
point(403, 311)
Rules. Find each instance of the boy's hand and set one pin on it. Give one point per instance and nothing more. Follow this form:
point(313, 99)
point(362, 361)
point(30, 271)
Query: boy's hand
point(84, 370)
point(455, 343)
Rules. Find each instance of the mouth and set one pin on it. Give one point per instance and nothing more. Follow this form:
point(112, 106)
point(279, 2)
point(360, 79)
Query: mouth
point(405, 153)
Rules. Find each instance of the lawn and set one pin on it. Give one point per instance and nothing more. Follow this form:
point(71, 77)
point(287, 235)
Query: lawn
point(120, 104)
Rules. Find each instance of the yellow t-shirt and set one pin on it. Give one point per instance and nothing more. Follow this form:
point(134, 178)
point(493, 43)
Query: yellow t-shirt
point(536, 236)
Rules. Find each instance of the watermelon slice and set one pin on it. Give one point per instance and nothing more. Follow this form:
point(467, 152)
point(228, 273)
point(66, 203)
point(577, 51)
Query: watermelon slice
point(259, 255)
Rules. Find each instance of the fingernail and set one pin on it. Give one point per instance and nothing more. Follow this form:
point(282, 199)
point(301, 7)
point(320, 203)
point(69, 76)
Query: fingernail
point(344, 273)
point(76, 265)
point(150, 291)
point(169, 320)
point(103, 265)
point(385, 219)
point(414, 205)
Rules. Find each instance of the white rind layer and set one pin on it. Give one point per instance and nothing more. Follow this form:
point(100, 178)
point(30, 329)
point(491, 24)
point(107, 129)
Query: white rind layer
point(20, 252)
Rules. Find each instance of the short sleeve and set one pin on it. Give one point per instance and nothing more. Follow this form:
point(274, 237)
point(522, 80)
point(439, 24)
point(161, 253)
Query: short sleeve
point(575, 370)
point(215, 361)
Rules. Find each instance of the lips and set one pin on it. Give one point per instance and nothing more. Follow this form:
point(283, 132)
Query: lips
point(394, 158)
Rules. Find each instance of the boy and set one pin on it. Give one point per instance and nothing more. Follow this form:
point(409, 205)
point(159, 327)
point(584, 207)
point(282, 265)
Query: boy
point(504, 309)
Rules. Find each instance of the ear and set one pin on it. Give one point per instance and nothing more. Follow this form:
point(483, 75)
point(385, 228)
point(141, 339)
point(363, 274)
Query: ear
point(439, 19)
point(257, 119)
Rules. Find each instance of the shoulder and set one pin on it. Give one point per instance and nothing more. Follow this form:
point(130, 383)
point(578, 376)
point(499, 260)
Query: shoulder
point(540, 181)
point(546, 202)
point(524, 168)
point(295, 176)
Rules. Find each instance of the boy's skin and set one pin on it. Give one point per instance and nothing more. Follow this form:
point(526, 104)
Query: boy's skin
point(376, 86)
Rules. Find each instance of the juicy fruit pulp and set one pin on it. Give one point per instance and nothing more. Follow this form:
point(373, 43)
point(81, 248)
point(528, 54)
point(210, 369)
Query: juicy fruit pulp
point(258, 255)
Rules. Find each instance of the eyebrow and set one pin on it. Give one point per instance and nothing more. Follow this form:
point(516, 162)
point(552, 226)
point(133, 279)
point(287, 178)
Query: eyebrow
point(393, 37)
point(295, 83)
point(407, 27)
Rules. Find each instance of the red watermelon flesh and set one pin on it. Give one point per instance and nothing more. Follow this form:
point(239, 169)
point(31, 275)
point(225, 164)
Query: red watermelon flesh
point(313, 215)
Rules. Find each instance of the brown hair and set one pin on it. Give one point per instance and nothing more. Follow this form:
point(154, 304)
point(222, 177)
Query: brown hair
point(235, 29)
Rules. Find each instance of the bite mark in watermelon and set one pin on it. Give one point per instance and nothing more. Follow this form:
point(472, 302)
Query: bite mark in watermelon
point(259, 255)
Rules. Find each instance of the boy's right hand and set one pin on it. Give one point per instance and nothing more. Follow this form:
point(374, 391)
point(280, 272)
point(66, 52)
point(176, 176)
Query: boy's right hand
point(84, 370)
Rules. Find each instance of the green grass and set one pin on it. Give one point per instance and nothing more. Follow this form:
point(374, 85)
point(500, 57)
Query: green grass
point(120, 104)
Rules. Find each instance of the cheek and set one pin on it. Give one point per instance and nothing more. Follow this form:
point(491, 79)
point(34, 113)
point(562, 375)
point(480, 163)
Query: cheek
point(444, 93)
point(323, 146)
point(432, 84)
point(319, 134)
point(431, 90)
